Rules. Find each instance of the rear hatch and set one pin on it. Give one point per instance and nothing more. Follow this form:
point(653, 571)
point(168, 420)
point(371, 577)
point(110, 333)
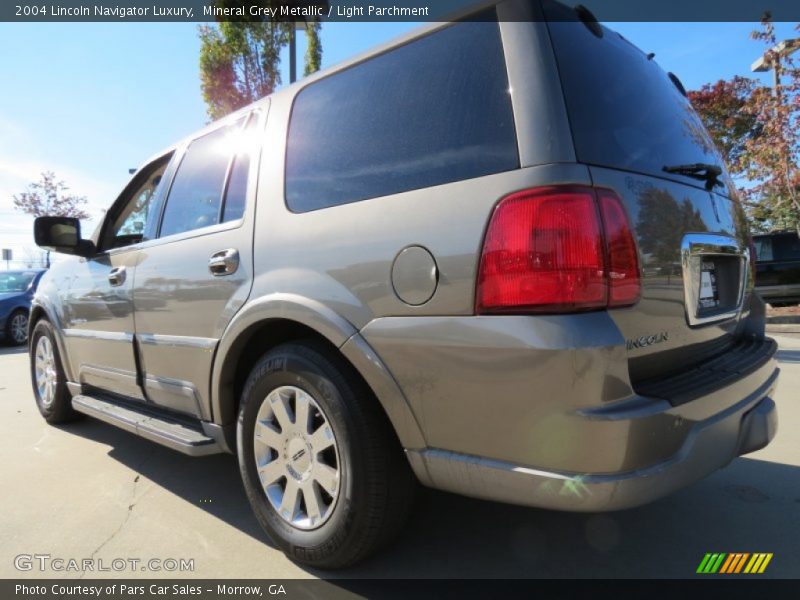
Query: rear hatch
point(630, 119)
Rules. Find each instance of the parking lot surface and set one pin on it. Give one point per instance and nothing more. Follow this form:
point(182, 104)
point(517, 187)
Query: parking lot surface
point(90, 491)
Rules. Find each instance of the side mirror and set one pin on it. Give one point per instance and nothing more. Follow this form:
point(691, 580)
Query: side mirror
point(61, 234)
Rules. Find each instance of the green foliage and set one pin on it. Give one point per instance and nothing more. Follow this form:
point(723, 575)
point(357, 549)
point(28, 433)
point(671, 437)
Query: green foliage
point(47, 197)
point(240, 59)
point(313, 49)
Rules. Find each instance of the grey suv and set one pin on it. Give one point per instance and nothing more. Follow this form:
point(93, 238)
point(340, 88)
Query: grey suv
point(499, 257)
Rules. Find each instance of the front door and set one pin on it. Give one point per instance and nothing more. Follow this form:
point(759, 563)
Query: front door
point(195, 276)
point(99, 327)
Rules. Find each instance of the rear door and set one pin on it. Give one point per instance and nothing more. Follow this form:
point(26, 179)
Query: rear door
point(632, 124)
point(197, 273)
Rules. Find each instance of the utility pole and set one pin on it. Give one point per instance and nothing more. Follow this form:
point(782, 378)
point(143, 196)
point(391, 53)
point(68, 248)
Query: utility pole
point(293, 54)
point(293, 49)
point(772, 60)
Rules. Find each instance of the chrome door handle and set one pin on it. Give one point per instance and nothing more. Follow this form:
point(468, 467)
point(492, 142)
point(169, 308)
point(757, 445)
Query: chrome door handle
point(224, 262)
point(117, 276)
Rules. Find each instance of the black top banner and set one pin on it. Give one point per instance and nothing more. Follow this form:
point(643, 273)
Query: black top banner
point(381, 10)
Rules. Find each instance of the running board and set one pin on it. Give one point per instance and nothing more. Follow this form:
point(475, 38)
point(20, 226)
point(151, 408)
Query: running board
point(169, 431)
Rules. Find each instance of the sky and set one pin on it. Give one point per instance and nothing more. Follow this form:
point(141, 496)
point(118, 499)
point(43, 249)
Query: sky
point(91, 100)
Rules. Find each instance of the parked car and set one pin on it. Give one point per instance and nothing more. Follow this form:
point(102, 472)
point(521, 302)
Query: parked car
point(424, 264)
point(16, 293)
point(778, 267)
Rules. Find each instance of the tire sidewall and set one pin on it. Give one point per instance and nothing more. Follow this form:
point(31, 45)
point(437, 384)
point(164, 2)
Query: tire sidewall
point(284, 367)
point(43, 328)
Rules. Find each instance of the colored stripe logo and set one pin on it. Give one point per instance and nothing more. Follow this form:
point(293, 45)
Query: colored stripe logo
point(735, 562)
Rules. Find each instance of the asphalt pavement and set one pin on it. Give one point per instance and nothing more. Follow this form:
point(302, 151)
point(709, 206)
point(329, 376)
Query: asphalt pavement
point(91, 491)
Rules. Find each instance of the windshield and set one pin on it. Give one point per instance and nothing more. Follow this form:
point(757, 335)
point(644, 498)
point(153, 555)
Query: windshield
point(625, 111)
point(15, 281)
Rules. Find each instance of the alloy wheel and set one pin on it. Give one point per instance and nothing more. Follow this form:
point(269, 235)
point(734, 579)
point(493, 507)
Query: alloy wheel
point(45, 370)
point(19, 328)
point(297, 457)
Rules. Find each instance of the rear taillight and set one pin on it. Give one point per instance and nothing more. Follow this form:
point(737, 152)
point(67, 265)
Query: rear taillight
point(558, 249)
point(624, 284)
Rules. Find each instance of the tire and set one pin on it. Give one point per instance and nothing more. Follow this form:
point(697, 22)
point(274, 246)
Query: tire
point(375, 489)
point(55, 403)
point(17, 327)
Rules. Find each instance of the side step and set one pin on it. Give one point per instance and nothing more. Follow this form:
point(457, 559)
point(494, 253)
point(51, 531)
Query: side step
point(167, 430)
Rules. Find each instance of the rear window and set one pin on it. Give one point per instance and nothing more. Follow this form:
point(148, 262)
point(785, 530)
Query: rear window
point(777, 247)
point(625, 111)
point(434, 111)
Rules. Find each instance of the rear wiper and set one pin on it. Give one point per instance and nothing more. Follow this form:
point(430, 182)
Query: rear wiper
point(702, 171)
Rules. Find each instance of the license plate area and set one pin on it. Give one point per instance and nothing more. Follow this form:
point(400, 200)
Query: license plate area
point(714, 269)
point(719, 285)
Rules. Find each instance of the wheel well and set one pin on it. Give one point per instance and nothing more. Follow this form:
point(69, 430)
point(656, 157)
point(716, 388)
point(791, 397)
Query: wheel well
point(251, 345)
point(37, 312)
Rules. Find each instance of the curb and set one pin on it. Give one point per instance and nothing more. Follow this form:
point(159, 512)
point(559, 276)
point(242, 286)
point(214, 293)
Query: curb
point(784, 320)
point(783, 327)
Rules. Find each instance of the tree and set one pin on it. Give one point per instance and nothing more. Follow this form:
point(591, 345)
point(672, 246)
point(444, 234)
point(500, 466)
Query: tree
point(772, 169)
point(240, 59)
point(758, 131)
point(662, 223)
point(48, 197)
point(725, 108)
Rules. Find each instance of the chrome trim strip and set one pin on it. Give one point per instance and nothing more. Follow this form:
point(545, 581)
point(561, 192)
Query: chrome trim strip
point(107, 373)
point(183, 341)
point(93, 334)
point(694, 247)
point(175, 387)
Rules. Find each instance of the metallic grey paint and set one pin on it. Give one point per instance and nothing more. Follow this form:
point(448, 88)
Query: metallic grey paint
point(538, 410)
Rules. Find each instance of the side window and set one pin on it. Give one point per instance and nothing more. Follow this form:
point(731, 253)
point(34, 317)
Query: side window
point(195, 197)
point(787, 247)
point(433, 111)
point(763, 248)
point(236, 194)
point(129, 224)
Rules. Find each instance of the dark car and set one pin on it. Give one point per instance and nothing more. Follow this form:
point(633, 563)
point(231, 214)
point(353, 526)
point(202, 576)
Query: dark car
point(16, 293)
point(778, 267)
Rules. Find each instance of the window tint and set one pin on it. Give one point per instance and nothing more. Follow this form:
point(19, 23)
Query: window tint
point(129, 225)
point(16, 281)
point(433, 111)
point(196, 193)
point(787, 247)
point(625, 111)
point(236, 194)
point(763, 248)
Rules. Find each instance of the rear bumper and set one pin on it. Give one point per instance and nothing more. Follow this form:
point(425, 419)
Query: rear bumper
point(539, 411)
point(711, 446)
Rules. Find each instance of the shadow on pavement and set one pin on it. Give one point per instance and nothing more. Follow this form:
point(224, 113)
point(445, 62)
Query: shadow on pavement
point(750, 506)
